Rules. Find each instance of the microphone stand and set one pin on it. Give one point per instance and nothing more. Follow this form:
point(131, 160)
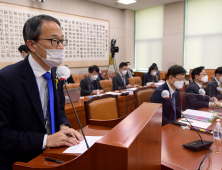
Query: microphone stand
point(76, 114)
point(195, 145)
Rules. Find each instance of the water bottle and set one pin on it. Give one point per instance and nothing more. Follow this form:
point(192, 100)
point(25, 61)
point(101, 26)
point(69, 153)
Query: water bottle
point(217, 136)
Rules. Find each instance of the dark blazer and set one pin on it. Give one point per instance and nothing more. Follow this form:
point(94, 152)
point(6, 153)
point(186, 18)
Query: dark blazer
point(118, 82)
point(127, 74)
point(100, 77)
point(211, 89)
point(70, 80)
point(87, 86)
point(147, 77)
point(168, 113)
point(195, 101)
point(22, 126)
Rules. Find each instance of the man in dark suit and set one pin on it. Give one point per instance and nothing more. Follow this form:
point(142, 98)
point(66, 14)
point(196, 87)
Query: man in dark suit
point(91, 84)
point(198, 101)
point(32, 115)
point(120, 80)
point(129, 71)
point(211, 88)
point(175, 81)
point(23, 51)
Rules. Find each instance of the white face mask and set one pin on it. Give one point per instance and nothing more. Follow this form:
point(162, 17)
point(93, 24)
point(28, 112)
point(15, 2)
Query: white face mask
point(220, 79)
point(204, 79)
point(23, 56)
point(94, 77)
point(54, 56)
point(178, 84)
point(128, 66)
point(124, 72)
point(153, 73)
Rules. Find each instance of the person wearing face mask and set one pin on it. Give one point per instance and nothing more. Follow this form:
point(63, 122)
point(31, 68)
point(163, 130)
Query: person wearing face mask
point(23, 51)
point(120, 80)
point(32, 116)
point(129, 71)
point(196, 102)
point(150, 76)
point(91, 84)
point(211, 88)
point(175, 81)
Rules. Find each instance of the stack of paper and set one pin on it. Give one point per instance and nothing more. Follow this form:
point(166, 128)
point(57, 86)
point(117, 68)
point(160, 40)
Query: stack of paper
point(113, 93)
point(131, 89)
point(200, 115)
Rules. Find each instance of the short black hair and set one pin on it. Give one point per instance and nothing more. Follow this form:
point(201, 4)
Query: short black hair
point(153, 67)
point(32, 27)
point(92, 68)
point(122, 64)
point(218, 71)
point(23, 48)
point(174, 70)
point(127, 62)
point(197, 71)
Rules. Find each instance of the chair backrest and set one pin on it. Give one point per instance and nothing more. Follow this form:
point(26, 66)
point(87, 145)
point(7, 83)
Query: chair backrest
point(106, 85)
point(102, 108)
point(143, 94)
point(163, 75)
point(78, 78)
point(135, 81)
point(210, 73)
point(72, 86)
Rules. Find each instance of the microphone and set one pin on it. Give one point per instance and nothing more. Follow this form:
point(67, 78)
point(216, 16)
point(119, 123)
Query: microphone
point(195, 145)
point(202, 92)
point(219, 89)
point(63, 73)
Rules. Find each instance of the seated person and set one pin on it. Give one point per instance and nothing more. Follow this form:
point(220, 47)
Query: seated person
point(90, 84)
point(70, 79)
point(175, 81)
point(158, 72)
point(129, 71)
point(198, 101)
point(120, 80)
point(150, 76)
point(23, 51)
point(211, 88)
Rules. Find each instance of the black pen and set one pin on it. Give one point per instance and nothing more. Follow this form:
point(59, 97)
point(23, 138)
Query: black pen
point(54, 160)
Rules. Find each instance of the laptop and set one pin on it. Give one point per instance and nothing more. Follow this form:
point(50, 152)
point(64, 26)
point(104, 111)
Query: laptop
point(74, 94)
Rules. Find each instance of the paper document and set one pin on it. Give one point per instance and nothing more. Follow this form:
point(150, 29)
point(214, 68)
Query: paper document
point(196, 123)
point(113, 93)
point(130, 92)
point(131, 89)
point(199, 115)
point(81, 148)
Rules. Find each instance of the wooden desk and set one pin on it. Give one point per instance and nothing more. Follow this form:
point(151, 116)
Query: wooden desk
point(175, 156)
point(126, 106)
point(132, 144)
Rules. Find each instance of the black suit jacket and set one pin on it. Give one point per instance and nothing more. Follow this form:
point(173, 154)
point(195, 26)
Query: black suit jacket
point(22, 126)
point(127, 74)
point(87, 87)
point(195, 101)
point(148, 78)
point(211, 89)
point(118, 82)
point(168, 113)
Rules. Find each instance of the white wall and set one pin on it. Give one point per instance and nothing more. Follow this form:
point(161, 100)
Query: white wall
point(121, 23)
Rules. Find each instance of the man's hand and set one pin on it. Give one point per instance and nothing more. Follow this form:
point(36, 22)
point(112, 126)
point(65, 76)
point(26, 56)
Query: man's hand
point(215, 99)
point(129, 86)
point(101, 91)
point(135, 85)
point(212, 104)
point(94, 92)
point(61, 139)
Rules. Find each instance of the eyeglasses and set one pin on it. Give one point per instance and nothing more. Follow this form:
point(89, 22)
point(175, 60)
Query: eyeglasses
point(55, 41)
point(181, 79)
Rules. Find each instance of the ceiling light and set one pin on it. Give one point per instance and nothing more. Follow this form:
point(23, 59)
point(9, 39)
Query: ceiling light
point(126, 1)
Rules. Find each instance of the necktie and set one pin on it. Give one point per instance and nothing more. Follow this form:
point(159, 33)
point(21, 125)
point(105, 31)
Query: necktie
point(123, 78)
point(130, 74)
point(47, 76)
point(174, 106)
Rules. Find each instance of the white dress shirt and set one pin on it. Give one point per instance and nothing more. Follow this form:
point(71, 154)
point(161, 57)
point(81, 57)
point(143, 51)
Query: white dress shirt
point(42, 86)
point(171, 90)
